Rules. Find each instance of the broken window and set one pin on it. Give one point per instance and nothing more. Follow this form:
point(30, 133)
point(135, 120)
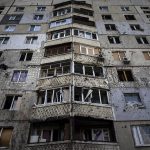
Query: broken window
point(55, 69)
point(125, 75)
point(1, 54)
point(118, 55)
point(146, 55)
point(12, 102)
point(87, 50)
point(61, 22)
point(62, 12)
point(5, 136)
point(26, 56)
point(146, 12)
point(19, 9)
point(38, 17)
point(91, 95)
point(4, 40)
point(41, 8)
point(83, 11)
point(132, 98)
point(61, 34)
point(142, 40)
point(10, 28)
point(19, 76)
point(135, 27)
point(43, 134)
point(130, 17)
point(31, 39)
point(85, 34)
point(110, 27)
point(141, 134)
point(59, 49)
point(1, 9)
point(106, 17)
point(97, 134)
point(103, 8)
point(114, 39)
point(53, 96)
point(125, 8)
point(35, 28)
point(88, 70)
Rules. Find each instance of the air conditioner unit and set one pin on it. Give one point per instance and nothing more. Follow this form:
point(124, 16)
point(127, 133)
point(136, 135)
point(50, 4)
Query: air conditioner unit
point(126, 60)
point(101, 57)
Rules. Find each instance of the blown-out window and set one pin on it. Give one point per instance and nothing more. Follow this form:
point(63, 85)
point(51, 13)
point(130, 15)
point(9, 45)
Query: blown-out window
point(88, 70)
point(90, 95)
point(55, 69)
point(53, 96)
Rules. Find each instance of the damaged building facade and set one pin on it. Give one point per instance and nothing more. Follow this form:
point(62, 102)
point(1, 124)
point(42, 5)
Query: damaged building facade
point(75, 74)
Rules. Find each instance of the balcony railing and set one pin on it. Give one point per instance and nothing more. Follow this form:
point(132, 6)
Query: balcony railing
point(76, 145)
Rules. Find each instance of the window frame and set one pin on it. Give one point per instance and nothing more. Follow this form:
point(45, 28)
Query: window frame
point(4, 40)
point(87, 50)
point(19, 9)
point(125, 76)
point(89, 93)
point(119, 55)
point(142, 40)
point(26, 56)
point(137, 136)
point(10, 28)
point(20, 73)
point(115, 39)
point(125, 8)
point(104, 8)
point(110, 27)
point(34, 27)
point(12, 106)
point(38, 17)
point(41, 8)
point(31, 39)
point(61, 99)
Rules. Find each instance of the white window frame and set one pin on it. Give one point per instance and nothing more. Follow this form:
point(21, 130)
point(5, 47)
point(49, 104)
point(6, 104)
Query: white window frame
point(103, 8)
point(40, 8)
point(31, 40)
point(138, 136)
point(90, 90)
point(83, 34)
point(59, 100)
point(20, 72)
point(59, 33)
point(10, 28)
point(62, 12)
point(35, 28)
point(37, 17)
point(60, 22)
point(26, 54)
point(87, 50)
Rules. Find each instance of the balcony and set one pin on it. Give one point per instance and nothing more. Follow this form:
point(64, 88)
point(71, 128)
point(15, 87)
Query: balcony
point(51, 111)
point(76, 145)
point(78, 109)
point(92, 110)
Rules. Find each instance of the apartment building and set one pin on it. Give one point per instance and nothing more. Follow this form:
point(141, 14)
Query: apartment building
point(75, 74)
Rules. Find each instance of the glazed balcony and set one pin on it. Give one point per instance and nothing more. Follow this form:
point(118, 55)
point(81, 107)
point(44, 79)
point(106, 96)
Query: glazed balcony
point(76, 145)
